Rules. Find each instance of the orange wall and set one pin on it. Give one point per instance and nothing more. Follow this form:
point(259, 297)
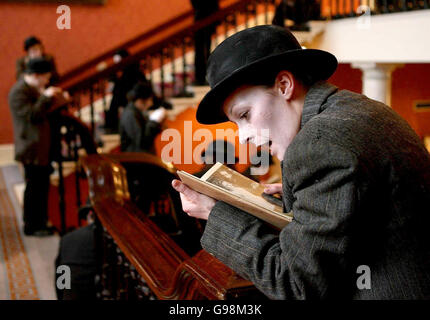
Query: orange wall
point(94, 30)
point(409, 84)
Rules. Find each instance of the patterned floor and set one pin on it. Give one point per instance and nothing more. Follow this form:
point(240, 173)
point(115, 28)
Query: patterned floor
point(27, 269)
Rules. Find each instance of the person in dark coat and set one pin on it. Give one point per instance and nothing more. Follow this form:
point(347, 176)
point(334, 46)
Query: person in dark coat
point(122, 84)
point(202, 37)
point(34, 49)
point(30, 104)
point(354, 174)
point(77, 251)
point(137, 128)
point(299, 11)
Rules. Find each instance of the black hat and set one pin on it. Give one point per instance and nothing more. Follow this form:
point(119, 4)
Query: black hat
point(38, 65)
point(142, 90)
point(252, 53)
point(31, 41)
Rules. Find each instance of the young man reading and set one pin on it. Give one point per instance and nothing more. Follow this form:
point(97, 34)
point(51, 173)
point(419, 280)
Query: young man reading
point(355, 175)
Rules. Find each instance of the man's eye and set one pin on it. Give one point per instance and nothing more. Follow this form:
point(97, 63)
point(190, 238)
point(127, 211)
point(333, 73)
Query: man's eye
point(244, 115)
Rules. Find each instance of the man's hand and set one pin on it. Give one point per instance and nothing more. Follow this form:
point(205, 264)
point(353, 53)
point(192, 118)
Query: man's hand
point(195, 204)
point(52, 91)
point(273, 188)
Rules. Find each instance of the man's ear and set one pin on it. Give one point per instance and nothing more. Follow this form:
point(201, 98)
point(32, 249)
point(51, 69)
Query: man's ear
point(285, 84)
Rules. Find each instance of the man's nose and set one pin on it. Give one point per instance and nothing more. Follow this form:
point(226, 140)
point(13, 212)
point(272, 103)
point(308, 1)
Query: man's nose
point(244, 136)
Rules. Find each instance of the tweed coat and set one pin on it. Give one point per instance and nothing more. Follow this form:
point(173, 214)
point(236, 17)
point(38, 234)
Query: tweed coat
point(32, 133)
point(137, 132)
point(357, 179)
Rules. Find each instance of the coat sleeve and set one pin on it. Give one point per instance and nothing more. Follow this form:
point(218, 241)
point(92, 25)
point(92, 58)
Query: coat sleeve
point(306, 260)
point(20, 66)
point(133, 128)
point(151, 130)
point(25, 107)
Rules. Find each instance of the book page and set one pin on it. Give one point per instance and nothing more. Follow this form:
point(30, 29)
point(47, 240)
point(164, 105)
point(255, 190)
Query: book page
point(239, 185)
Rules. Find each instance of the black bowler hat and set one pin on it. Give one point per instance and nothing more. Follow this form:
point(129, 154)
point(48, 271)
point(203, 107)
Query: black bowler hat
point(31, 41)
point(38, 65)
point(256, 52)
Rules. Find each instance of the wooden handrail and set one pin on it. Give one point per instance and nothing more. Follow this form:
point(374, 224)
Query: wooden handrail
point(166, 268)
point(86, 76)
point(108, 54)
point(127, 44)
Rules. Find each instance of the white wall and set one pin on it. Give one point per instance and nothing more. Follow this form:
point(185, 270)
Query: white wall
point(395, 37)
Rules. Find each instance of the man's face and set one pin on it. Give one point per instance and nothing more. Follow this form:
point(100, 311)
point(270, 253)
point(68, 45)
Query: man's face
point(41, 80)
point(263, 115)
point(143, 104)
point(35, 51)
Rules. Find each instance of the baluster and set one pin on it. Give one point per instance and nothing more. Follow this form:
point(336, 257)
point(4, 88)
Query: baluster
point(77, 173)
point(92, 110)
point(184, 92)
point(384, 8)
point(231, 20)
point(61, 195)
point(351, 8)
point(225, 23)
point(149, 59)
point(340, 6)
point(184, 68)
point(252, 8)
point(162, 73)
point(172, 57)
point(103, 93)
point(246, 17)
point(77, 99)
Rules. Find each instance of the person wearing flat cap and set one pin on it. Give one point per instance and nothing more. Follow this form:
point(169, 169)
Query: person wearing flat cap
point(31, 102)
point(33, 48)
point(138, 128)
point(354, 174)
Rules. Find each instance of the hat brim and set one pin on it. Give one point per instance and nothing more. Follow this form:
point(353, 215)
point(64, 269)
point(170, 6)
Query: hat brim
point(317, 63)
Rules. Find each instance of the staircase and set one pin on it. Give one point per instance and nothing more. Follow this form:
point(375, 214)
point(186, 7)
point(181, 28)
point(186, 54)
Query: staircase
point(167, 57)
point(166, 75)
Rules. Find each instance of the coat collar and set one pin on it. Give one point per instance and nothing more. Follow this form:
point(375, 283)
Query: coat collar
point(315, 99)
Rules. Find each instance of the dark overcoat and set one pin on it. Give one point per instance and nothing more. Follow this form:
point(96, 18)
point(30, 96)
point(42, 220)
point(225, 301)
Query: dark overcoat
point(32, 134)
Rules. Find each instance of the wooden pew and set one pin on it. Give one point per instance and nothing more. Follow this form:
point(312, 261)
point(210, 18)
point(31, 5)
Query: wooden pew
point(147, 258)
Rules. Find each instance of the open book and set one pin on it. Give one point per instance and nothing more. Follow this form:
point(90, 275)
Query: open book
point(225, 184)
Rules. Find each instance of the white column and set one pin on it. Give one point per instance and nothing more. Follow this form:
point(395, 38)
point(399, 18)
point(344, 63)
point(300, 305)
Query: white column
point(377, 80)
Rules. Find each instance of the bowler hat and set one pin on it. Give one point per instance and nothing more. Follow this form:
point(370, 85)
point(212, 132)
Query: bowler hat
point(31, 41)
point(256, 53)
point(38, 65)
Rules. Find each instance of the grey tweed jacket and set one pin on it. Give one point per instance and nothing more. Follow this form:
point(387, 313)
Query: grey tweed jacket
point(358, 181)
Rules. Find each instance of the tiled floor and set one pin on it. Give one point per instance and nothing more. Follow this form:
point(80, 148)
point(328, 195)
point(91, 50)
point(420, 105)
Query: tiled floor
point(41, 252)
